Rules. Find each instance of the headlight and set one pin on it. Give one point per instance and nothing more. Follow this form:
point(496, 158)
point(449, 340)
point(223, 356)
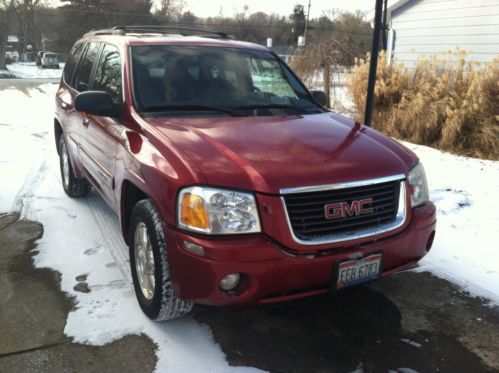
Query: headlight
point(417, 179)
point(217, 211)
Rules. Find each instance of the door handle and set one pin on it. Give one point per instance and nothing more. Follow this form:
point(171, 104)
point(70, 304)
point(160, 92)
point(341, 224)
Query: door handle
point(86, 122)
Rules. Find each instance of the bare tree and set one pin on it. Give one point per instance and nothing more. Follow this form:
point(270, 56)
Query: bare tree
point(334, 45)
point(6, 10)
point(320, 57)
point(169, 8)
point(28, 30)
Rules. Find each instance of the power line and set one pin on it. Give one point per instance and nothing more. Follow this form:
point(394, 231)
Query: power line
point(333, 29)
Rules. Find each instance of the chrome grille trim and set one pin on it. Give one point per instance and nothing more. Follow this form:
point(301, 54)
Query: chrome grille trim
point(351, 184)
point(399, 220)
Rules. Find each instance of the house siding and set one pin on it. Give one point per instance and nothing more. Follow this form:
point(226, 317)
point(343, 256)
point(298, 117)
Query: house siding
point(426, 27)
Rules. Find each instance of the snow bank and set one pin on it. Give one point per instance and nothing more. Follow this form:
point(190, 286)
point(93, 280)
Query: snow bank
point(5, 74)
point(26, 121)
point(466, 246)
point(29, 70)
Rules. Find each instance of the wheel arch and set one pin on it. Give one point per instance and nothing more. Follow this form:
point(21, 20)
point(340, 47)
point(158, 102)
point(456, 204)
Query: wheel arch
point(57, 134)
point(130, 195)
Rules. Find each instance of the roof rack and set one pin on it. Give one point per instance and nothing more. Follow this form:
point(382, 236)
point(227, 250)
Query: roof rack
point(184, 31)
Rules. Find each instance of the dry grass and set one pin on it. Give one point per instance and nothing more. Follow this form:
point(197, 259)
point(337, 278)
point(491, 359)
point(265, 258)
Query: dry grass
point(445, 102)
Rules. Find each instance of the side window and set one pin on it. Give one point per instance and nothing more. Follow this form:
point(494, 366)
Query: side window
point(268, 78)
point(83, 79)
point(108, 74)
point(73, 59)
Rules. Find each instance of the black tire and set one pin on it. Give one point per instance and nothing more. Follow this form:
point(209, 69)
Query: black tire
point(163, 305)
point(74, 187)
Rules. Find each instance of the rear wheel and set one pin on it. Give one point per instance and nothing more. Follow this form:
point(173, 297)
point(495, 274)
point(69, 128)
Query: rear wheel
point(73, 186)
point(149, 265)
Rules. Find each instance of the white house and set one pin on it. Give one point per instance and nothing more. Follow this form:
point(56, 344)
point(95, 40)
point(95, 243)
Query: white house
point(425, 27)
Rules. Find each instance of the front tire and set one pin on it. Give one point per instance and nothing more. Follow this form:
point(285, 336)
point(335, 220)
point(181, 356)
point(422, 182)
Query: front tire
point(73, 186)
point(149, 265)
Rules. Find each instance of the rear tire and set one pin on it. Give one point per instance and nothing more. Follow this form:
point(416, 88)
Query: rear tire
point(149, 265)
point(74, 187)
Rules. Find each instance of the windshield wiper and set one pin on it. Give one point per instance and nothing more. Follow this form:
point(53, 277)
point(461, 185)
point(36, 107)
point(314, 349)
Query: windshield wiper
point(274, 106)
point(160, 108)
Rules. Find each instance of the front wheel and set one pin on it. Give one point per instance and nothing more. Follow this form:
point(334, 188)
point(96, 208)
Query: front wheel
point(149, 265)
point(73, 186)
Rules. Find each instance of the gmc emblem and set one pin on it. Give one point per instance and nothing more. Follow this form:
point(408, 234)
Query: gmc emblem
point(345, 209)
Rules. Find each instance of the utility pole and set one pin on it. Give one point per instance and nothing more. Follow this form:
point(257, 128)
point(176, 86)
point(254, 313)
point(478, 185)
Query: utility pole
point(306, 22)
point(374, 63)
point(385, 26)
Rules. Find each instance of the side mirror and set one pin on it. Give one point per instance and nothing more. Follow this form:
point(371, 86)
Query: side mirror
point(97, 103)
point(320, 97)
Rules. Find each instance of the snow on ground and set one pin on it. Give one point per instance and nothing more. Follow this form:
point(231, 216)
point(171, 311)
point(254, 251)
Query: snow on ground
point(466, 247)
point(29, 70)
point(82, 238)
point(341, 102)
point(25, 130)
point(6, 74)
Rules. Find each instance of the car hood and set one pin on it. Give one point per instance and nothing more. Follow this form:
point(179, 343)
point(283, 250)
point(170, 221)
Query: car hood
point(266, 154)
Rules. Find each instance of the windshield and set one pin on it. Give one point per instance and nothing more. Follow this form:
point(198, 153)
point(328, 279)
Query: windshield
point(222, 80)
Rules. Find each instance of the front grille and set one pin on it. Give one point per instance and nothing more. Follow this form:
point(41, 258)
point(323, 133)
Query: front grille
point(306, 211)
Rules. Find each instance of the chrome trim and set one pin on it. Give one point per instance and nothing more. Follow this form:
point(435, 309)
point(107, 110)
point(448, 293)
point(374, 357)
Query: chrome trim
point(100, 169)
point(399, 221)
point(351, 184)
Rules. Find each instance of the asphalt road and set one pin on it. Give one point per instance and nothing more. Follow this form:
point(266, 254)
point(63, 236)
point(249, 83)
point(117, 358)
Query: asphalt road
point(411, 320)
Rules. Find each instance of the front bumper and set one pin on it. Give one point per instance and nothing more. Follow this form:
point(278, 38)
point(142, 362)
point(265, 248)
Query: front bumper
point(271, 273)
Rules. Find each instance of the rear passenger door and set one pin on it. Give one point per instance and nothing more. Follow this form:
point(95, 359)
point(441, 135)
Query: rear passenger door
point(66, 115)
point(100, 135)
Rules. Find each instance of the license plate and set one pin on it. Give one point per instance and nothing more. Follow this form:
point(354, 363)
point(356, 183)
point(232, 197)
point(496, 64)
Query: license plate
point(356, 271)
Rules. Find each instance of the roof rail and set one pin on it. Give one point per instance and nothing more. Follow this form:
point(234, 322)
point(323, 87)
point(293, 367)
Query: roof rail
point(184, 31)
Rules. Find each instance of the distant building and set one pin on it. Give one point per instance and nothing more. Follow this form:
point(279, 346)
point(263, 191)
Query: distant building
point(12, 43)
point(286, 52)
point(425, 27)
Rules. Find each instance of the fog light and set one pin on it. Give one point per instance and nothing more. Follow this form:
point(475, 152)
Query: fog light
point(193, 248)
point(229, 282)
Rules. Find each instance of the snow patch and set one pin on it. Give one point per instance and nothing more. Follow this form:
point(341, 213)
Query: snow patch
point(29, 70)
point(466, 246)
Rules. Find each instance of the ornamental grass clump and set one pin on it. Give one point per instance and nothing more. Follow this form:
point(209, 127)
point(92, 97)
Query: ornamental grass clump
point(444, 101)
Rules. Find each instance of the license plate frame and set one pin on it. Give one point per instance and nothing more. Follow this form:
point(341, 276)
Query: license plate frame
point(344, 264)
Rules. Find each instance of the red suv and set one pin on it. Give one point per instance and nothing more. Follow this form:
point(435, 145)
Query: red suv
point(233, 183)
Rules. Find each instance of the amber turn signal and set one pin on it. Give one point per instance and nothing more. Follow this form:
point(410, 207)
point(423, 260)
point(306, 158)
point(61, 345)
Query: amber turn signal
point(193, 212)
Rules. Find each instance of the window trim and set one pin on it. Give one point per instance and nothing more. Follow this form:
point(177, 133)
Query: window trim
point(77, 64)
point(122, 61)
point(92, 69)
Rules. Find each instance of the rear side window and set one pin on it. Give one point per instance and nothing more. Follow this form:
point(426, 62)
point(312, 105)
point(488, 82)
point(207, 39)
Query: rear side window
point(72, 61)
point(83, 79)
point(108, 73)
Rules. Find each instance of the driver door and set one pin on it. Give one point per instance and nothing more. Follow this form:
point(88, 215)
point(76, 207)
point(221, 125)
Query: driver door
point(100, 135)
